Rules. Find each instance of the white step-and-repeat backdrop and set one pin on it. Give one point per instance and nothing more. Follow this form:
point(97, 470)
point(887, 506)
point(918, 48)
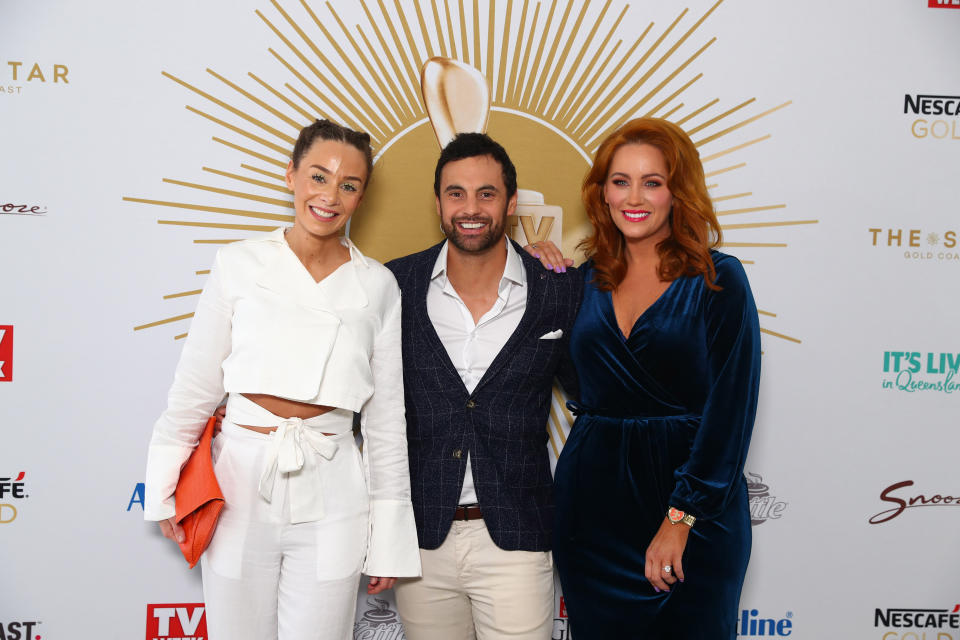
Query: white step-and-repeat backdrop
point(137, 138)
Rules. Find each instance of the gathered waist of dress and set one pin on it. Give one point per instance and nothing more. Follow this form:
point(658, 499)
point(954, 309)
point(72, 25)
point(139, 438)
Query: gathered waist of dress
point(578, 409)
point(243, 411)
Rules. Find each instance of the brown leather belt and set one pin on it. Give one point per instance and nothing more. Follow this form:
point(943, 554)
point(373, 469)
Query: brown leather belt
point(468, 512)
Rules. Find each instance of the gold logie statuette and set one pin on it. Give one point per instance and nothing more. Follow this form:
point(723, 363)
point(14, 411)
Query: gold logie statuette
point(456, 96)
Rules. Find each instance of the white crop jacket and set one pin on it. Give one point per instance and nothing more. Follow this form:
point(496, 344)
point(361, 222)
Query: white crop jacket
point(263, 325)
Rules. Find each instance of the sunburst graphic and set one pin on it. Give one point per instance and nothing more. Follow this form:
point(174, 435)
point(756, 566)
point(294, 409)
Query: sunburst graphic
point(555, 94)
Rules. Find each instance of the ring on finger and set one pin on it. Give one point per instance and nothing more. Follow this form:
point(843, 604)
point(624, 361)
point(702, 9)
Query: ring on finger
point(667, 568)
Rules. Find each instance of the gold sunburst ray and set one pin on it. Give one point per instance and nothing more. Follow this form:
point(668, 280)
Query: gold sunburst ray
point(252, 181)
point(374, 86)
point(561, 111)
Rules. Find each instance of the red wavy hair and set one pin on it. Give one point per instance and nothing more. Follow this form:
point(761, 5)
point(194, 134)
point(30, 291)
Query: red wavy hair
point(694, 229)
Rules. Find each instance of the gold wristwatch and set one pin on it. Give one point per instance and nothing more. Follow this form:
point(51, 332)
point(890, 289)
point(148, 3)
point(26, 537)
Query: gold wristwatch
point(675, 516)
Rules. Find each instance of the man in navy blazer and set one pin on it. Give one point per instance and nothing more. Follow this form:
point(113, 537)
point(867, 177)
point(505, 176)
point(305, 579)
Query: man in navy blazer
point(485, 332)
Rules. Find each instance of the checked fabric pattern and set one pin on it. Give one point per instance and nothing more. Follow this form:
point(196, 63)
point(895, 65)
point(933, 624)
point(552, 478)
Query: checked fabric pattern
point(502, 424)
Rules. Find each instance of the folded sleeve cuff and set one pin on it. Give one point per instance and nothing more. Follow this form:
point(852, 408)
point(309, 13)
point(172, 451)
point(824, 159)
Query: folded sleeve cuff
point(392, 550)
point(163, 471)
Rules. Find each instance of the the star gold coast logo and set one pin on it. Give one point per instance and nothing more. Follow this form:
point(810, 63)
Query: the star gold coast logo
point(548, 79)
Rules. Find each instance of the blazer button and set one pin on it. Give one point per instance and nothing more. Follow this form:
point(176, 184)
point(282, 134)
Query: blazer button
point(457, 453)
point(471, 404)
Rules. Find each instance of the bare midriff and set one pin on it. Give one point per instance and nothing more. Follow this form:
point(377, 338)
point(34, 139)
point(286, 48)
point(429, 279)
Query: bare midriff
point(285, 409)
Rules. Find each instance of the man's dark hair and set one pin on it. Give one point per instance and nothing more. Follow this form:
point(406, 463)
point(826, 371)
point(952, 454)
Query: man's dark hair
point(329, 130)
point(471, 145)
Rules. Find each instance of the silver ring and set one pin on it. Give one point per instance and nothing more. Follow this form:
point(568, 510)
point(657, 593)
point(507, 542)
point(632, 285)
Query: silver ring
point(534, 245)
point(667, 569)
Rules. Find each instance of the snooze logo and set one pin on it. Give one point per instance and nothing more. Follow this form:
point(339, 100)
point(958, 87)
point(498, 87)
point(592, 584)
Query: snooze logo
point(6, 352)
point(176, 622)
point(894, 495)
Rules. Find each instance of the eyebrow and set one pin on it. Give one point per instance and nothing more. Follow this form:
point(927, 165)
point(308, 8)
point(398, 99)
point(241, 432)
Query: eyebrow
point(457, 187)
point(330, 173)
point(646, 175)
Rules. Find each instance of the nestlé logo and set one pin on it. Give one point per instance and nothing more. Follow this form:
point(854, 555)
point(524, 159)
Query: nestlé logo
point(176, 621)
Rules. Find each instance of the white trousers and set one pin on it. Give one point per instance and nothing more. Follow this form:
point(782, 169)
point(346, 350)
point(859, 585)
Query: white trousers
point(265, 577)
point(471, 588)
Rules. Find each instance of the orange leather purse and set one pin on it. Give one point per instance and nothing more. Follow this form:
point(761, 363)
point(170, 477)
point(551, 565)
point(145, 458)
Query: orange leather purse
point(198, 498)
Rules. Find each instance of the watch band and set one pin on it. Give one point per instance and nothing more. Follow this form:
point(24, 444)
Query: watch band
point(675, 516)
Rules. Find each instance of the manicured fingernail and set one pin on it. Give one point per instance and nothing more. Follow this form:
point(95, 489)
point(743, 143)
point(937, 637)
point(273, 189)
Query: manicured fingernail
point(656, 589)
point(536, 255)
point(549, 266)
point(563, 270)
point(681, 580)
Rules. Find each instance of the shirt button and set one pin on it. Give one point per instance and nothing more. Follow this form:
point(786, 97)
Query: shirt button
point(457, 453)
point(471, 404)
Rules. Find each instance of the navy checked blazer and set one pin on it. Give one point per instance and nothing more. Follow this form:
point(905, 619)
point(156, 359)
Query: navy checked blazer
point(502, 424)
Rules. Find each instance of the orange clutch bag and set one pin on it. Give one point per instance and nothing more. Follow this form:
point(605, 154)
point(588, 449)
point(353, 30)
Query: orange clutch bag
point(198, 498)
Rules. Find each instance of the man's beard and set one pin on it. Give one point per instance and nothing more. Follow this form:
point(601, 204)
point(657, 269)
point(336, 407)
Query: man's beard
point(491, 236)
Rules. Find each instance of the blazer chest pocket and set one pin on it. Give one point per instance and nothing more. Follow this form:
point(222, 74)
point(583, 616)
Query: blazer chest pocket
point(279, 348)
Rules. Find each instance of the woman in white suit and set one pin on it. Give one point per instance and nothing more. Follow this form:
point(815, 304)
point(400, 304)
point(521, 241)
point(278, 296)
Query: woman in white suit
point(300, 331)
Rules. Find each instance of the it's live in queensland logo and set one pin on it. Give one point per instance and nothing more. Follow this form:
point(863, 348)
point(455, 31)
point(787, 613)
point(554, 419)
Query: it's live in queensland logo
point(917, 371)
point(182, 621)
point(918, 623)
point(12, 490)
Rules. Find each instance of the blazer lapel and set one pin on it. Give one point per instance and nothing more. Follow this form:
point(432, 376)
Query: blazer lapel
point(421, 318)
point(536, 289)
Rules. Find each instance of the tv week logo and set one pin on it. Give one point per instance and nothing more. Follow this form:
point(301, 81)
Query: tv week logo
point(6, 352)
point(943, 4)
point(176, 622)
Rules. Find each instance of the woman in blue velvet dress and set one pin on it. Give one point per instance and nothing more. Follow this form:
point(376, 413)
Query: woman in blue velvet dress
point(653, 525)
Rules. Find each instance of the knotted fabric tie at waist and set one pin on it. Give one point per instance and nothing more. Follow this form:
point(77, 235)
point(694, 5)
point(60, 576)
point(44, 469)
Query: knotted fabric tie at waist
point(289, 446)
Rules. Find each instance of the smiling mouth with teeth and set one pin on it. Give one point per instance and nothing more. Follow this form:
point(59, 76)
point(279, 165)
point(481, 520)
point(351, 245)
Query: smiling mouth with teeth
point(472, 225)
point(635, 216)
point(320, 213)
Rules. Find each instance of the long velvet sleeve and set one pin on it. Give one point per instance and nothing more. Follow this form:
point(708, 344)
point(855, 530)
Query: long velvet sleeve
point(393, 549)
point(704, 484)
point(196, 391)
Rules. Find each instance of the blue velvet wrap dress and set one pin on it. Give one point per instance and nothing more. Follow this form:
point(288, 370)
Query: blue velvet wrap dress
point(664, 419)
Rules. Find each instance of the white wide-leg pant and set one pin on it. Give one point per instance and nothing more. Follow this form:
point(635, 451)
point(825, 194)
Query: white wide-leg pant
point(265, 577)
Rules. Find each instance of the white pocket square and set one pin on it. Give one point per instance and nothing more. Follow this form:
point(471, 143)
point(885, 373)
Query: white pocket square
point(553, 335)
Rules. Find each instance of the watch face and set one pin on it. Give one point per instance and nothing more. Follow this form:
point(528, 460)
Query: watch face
point(675, 515)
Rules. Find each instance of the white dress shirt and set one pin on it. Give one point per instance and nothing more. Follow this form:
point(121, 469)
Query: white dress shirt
point(264, 325)
point(472, 346)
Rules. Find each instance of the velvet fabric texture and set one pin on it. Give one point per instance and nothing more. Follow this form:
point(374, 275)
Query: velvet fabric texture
point(665, 419)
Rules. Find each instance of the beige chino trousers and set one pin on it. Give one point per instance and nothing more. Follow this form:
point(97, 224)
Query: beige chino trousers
point(472, 589)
